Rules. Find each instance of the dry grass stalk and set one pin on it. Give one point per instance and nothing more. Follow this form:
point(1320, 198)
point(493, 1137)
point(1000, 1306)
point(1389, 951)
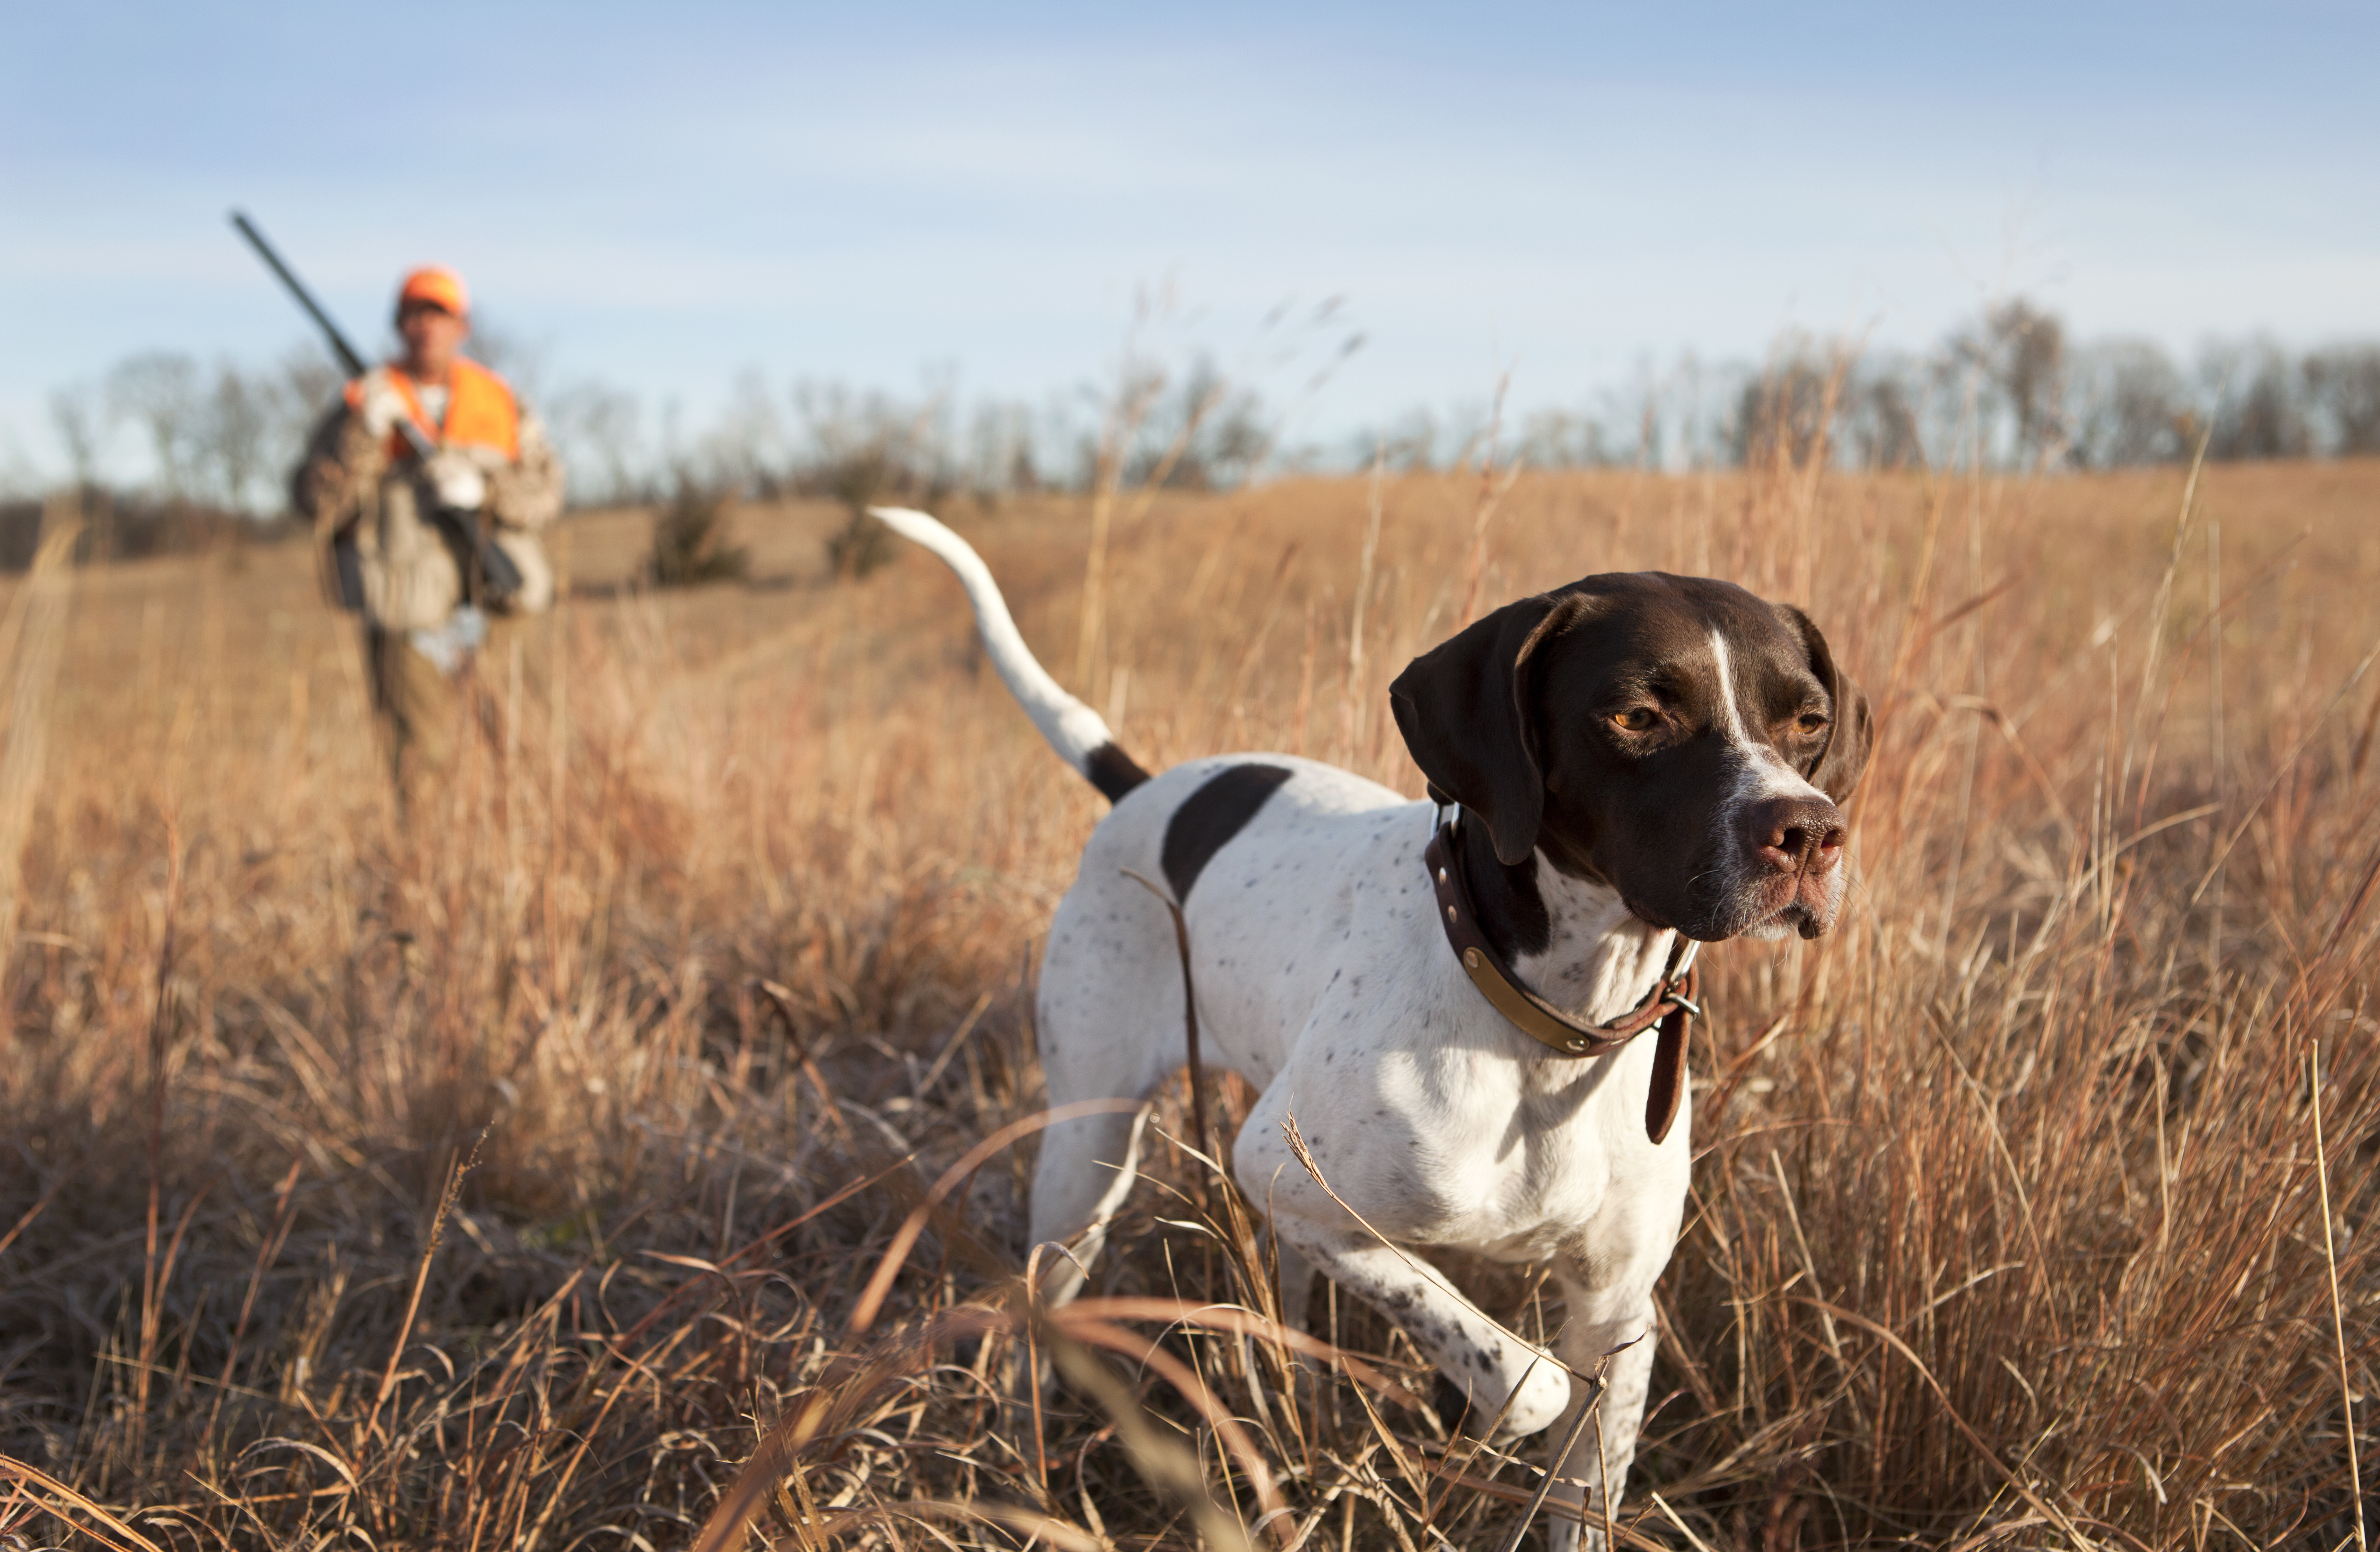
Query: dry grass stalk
point(30, 638)
point(722, 936)
point(2337, 1314)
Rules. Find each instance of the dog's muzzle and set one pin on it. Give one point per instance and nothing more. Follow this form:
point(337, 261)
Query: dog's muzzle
point(1796, 850)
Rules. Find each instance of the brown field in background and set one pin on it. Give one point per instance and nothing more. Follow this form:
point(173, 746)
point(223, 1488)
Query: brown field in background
point(2006, 1226)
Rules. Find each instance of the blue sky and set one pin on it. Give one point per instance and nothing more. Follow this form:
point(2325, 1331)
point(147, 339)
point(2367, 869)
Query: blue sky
point(665, 197)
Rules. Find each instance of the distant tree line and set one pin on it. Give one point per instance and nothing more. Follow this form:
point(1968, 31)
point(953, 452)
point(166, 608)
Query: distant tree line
point(218, 443)
point(2011, 389)
point(224, 437)
point(853, 444)
point(131, 525)
point(221, 437)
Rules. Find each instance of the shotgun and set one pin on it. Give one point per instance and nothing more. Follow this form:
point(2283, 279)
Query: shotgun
point(489, 575)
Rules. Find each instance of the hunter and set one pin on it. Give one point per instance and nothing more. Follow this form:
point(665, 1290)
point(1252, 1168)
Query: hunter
point(396, 523)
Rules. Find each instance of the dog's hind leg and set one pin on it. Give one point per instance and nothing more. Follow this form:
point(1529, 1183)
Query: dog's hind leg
point(1296, 1283)
point(1110, 1022)
point(1087, 1170)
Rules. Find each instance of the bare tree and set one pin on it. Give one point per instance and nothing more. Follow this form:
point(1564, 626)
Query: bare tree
point(599, 429)
point(747, 451)
point(1203, 434)
point(233, 434)
point(1559, 439)
point(159, 392)
point(2031, 348)
point(305, 384)
point(2258, 410)
point(2343, 383)
point(2130, 404)
point(78, 418)
point(1411, 443)
point(1786, 413)
point(1880, 427)
point(2016, 356)
point(1001, 456)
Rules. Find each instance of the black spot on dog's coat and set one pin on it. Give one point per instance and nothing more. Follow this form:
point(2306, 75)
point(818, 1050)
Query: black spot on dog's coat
point(1211, 817)
point(1113, 771)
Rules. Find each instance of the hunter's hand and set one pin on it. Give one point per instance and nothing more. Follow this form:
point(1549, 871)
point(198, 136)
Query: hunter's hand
point(457, 480)
point(383, 407)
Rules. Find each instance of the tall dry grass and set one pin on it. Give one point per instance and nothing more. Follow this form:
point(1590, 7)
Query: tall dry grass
point(514, 1184)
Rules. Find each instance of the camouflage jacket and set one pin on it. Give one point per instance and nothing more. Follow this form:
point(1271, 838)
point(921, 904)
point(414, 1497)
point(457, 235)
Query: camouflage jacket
point(348, 485)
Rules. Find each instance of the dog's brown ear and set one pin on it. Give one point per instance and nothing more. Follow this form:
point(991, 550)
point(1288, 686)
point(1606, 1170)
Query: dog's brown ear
point(1469, 719)
point(1843, 760)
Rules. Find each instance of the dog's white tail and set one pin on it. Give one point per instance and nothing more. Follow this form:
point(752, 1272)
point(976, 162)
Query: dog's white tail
point(1079, 734)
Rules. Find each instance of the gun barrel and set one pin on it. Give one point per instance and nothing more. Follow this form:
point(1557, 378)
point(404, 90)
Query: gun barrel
point(339, 346)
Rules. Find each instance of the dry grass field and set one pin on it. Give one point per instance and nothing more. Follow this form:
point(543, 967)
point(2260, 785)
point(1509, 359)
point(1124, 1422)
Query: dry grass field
point(510, 1184)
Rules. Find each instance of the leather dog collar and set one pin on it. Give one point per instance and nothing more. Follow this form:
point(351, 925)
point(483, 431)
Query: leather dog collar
point(1670, 1003)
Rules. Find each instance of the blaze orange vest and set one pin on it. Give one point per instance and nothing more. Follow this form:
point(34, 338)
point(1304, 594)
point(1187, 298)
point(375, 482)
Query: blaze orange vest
point(480, 409)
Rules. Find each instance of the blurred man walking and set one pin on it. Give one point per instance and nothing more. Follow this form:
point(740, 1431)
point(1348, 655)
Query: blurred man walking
point(378, 507)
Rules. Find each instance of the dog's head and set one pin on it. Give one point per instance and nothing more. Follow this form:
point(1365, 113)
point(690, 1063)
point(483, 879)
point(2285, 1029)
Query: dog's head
point(1673, 737)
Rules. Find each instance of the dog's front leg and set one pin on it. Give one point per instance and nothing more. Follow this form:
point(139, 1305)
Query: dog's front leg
point(1613, 1315)
point(1506, 1379)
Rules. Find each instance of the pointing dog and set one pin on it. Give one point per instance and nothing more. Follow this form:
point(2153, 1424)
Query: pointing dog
point(1446, 995)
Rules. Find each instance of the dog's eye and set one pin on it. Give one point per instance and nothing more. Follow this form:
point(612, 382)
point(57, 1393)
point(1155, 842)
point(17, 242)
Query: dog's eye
point(1636, 719)
point(1812, 722)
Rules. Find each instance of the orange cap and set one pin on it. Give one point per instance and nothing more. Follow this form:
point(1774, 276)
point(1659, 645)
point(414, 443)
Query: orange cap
point(439, 286)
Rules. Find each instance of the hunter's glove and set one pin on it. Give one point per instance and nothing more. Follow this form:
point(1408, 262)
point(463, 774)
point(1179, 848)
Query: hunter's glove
point(457, 480)
point(383, 407)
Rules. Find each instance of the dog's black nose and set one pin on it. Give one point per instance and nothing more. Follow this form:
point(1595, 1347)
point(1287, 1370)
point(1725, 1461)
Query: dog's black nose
point(1796, 834)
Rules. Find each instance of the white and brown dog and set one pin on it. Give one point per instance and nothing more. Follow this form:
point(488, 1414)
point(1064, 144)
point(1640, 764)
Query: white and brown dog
point(1638, 764)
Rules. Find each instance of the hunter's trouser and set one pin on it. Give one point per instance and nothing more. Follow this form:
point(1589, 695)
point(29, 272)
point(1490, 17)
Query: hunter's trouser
point(420, 712)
